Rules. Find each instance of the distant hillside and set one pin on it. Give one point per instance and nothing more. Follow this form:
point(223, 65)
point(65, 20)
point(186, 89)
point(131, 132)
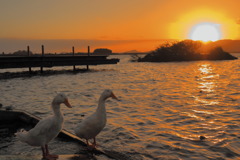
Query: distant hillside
point(232, 46)
point(132, 51)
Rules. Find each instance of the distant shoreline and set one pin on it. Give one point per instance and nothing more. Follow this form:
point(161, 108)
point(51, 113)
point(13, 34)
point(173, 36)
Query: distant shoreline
point(140, 46)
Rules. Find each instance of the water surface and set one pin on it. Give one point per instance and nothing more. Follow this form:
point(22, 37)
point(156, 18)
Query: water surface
point(163, 110)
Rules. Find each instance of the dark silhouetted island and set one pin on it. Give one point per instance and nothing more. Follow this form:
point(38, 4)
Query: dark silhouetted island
point(187, 50)
point(104, 51)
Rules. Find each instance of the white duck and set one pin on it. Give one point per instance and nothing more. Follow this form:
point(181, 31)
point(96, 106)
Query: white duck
point(90, 127)
point(47, 128)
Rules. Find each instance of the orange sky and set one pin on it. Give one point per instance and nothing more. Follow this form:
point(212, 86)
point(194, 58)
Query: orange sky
point(115, 20)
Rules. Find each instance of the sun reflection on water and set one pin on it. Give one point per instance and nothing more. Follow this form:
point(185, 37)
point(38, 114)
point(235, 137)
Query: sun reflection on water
point(207, 83)
point(205, 68)
point(207, 77)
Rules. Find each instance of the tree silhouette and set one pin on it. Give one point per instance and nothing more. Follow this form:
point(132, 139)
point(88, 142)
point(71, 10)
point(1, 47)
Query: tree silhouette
point(187, 50)
point(22, 53)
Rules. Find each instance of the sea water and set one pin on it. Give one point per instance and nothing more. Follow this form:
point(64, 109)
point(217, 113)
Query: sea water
point(162, 111)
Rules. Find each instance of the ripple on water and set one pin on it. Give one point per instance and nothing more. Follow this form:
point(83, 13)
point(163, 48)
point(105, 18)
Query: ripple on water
point(163, 110)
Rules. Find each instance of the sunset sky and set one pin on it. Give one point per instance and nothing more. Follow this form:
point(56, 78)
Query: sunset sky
point(111, 22)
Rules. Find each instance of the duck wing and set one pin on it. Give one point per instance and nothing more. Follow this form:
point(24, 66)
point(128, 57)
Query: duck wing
point(39, 135)
point(42, 127)
point(89, 127)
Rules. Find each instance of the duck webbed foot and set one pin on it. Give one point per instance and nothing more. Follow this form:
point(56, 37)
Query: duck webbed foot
point(93, 145)
point(51, 157)
point(46, 155)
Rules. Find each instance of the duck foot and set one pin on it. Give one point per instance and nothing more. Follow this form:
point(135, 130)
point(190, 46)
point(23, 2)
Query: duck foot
point(91, 147)
point(50, 157)
point(46, 155)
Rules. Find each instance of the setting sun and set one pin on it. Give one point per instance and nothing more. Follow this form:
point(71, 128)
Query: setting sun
point(205, 32)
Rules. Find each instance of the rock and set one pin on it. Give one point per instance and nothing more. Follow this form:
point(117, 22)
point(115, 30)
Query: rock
point(9, 108)
point(202, 138)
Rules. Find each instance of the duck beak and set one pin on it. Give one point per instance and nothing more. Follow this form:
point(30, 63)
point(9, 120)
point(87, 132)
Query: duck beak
point(113, 96)
point(67, 103)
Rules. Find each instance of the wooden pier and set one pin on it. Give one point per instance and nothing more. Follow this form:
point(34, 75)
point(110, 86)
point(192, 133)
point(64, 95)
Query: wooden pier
point(54, 60)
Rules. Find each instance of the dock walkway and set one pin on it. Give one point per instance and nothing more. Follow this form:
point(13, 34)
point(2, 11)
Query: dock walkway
point(52, 61)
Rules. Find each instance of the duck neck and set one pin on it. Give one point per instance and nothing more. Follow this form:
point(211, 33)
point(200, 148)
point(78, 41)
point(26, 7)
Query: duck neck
point(101, 106)
point(56, 110)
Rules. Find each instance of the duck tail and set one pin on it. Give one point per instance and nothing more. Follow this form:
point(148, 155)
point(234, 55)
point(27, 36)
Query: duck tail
point(22, 135)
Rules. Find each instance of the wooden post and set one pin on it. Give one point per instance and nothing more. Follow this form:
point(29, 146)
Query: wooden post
point(73, 51)
point(88, 55)
point(88, 50)
point(42, 58)
point(28, 50)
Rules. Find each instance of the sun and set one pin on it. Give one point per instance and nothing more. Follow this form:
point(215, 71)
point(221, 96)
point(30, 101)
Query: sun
point(205, 32)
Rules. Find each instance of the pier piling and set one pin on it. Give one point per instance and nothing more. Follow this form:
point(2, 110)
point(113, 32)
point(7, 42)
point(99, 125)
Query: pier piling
point(42, 58)
point(28, 51)
point(73, 51)
point(88, 55)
